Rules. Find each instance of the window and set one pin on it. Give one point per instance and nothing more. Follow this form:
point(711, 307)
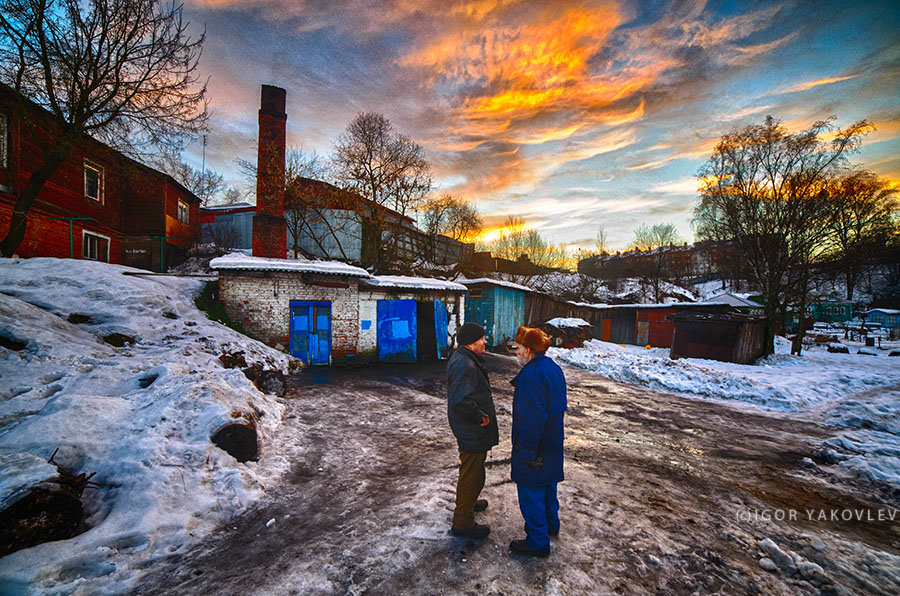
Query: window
point(94, 247)
point(475, 293)
point(93, 182)
point(4, 141)
point(183, 211)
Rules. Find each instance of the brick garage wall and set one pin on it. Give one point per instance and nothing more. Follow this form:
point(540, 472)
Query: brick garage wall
point(260, 301)
point(368, 311)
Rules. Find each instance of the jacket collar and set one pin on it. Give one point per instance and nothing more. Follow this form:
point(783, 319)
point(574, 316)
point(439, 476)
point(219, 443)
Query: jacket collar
point(534, 359)
point(476, 358)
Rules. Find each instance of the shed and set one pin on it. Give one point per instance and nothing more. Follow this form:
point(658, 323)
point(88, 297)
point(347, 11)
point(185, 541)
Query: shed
point(737, 303)
point(645, 324)
point(725, 336)
point(568, 332)
point(540, 307)
point(408, 319)
point(312, 307)
point(498, 306)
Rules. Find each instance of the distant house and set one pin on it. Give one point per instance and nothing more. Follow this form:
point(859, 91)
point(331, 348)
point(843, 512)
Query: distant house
point(99, 204)
point(888, 318)
point(333, 226)
point(498, 306)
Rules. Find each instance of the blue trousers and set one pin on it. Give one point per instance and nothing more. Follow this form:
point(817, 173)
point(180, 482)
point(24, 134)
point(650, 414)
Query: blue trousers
point(540, 509)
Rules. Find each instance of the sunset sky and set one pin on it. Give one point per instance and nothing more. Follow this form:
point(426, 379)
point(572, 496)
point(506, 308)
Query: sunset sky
point(573, 115)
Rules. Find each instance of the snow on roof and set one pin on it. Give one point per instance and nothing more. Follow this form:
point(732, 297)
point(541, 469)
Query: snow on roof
point(731, 299)
point(495, 282)
point(887, 311)
point(560, 322)
point(638, 305)
point(418, 283)
point(241, 262)
point(229, 207)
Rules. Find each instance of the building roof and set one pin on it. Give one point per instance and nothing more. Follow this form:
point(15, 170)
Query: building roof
point(887, 311)
point(242, 206)
point(495, 282)
point(240, 262)
point(414, 283)
point(652, 306)
point(732, 300)
point(560, 322)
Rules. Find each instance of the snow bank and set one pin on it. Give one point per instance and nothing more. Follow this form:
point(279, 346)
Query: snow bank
point(845, 391)
point(139, 416)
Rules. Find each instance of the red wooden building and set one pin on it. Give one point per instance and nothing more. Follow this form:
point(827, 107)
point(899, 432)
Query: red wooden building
point(99, 204)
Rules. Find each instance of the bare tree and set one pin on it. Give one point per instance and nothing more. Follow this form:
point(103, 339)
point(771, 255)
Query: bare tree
point(122, 71)
point(450, 216)
point(387, 168)
point(601, 244)
point(763, 189)
point(203, 183)
point(861, 212)
point(525, 245)
point(656, 242)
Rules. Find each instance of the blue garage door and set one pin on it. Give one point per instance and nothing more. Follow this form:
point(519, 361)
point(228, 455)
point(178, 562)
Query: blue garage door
point(397, 330)
point(440, 329)
point(311, 332)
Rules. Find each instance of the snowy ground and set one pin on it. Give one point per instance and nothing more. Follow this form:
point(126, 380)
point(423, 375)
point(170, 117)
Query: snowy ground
point(350, 516)
point(858, 395)
point(140, 416)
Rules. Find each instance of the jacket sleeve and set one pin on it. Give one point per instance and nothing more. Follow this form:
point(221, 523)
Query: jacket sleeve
point(462, 385)
point(532, 416)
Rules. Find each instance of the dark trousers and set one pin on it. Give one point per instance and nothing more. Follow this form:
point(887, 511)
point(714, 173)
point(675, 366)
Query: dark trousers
point(468, 487)
point(540, 508)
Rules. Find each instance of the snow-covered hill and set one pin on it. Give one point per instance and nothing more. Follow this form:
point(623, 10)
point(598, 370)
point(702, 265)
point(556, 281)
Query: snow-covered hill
point(139, 416)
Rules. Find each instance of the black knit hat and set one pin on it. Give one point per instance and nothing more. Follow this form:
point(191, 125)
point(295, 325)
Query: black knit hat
point(469, 333)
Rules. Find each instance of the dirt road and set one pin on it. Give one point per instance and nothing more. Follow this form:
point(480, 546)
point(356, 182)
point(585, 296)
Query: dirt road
point(663, 495)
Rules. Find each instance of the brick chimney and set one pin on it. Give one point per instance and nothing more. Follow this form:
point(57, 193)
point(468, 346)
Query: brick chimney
point(269, 230)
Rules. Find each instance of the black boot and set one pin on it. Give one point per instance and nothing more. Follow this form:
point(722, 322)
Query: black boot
point(480, 505)
point(520, 547)
point(477, 531)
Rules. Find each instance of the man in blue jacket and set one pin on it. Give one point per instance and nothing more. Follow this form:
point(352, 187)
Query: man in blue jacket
point(539, 404)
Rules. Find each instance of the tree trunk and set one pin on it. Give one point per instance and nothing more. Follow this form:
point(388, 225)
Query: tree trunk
point(17, 224)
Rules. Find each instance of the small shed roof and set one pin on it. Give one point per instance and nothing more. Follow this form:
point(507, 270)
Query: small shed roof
point(887, 311)
point(560, 322)
point(495, 282)
point(414, 283)
point(240, 262)
point(731, 300)
point(719, 317)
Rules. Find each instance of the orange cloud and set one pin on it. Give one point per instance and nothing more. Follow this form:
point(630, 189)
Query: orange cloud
point(811, 84)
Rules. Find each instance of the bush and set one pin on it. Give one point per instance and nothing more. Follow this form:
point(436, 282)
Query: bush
point(208, 301)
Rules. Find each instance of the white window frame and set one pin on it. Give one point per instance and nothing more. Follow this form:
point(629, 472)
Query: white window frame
point(84, 236)
point(186, 211)
point(100, 181)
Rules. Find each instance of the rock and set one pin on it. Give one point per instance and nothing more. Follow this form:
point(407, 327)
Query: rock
point(170, 315)
point(778, 556)
point(808, 463)
point(118, 339)
point(817, 543)
point(811, 571)
point(894, 353)
point(767, 564)
point(78, 319)
point(827, 455)
point(11, 343)
point(267, 381)
point(233, 360)
point(867, 352)
point(838, 349)
point(238, 440)
point(653, 561)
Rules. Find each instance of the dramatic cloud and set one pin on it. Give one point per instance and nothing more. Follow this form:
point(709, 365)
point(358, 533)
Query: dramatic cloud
point(519, 103)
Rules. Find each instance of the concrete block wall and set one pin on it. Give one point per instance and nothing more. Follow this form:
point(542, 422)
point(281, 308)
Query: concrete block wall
point(368, 311)
point(260, 302)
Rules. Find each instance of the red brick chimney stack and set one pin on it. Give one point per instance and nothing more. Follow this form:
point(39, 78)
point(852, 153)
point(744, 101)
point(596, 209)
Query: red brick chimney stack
point(269, 229)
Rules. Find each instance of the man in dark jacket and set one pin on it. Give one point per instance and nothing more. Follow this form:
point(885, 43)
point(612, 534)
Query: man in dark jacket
point(473, 420)
point(539, 404)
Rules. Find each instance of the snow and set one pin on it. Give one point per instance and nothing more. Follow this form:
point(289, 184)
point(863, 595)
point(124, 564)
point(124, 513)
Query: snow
point(854, 395)
point(424, 283)
point(242, 262)
point(495, 282)
point(19, 472)
point(560, 322)
point(139, 416)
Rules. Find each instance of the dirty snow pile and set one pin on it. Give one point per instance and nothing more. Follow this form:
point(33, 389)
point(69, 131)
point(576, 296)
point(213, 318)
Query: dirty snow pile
point(140, 416)
point(854, 393)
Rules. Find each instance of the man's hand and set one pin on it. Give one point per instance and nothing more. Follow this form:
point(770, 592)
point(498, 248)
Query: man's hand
point(485, 421)
point(536, 463)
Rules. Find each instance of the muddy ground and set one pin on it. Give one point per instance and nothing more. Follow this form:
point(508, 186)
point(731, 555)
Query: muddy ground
point(663, 495)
